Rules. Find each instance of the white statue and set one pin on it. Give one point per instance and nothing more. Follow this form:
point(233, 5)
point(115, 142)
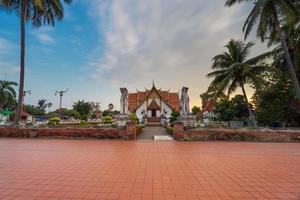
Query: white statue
point(124, 101)
point(184, 102)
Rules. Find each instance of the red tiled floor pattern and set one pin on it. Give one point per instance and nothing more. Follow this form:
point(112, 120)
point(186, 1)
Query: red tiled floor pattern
point(91, 169)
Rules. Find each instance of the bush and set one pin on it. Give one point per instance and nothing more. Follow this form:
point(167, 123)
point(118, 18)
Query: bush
point(139, 129)
point(170, 130)
point(174, 116)
point(84, 123)
point(54, 121)
point(84, 117)
point(134, 118)
point(107, 120)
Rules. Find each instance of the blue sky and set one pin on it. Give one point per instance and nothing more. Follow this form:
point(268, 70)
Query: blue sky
point(102, 45)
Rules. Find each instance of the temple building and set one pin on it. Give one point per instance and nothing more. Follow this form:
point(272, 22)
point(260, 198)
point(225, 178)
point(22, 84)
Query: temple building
point(152, 104)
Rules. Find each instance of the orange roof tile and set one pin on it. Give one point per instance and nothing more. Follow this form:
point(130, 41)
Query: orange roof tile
point(137, 99)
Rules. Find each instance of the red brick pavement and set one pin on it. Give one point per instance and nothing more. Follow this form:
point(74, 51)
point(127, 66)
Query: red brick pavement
point(91, 169)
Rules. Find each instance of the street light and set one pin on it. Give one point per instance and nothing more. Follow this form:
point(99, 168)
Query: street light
point(60, 93)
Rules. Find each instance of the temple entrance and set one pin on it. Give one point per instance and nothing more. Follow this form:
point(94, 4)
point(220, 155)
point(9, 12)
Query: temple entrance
point(153, 113)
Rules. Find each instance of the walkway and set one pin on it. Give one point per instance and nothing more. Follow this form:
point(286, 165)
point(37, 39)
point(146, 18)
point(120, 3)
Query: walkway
point(42, 169)
point(149, 132)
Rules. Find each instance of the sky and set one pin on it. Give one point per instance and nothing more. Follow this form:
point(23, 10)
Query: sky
point(102, 45)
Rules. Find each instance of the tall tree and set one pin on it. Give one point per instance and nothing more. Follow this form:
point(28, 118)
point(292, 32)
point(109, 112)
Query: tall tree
point(38, 12)
point(233, 109)
point(272, 17)
point(7, 92)
point(49, 105)
point(42, 103)
point(233, 70)
point(293, 43)
point(83, 107)
point(196, 110)
point(276, 96)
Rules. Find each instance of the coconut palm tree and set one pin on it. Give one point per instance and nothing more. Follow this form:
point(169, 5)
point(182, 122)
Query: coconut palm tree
point(7, 92)
point(38, 12)
point(233, 70)
point(293, 43)
point(272, 16)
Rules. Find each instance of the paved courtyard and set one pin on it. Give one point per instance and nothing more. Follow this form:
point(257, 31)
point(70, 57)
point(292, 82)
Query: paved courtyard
point(93, 169)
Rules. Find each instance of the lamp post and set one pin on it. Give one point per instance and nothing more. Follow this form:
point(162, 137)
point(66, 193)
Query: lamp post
point(61, 94)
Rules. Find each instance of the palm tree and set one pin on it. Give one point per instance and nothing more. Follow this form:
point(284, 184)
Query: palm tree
point(272, 16)
point(7, 93)
point(38, 12)
point(293, 43)
point(49, 105)
point(233, 70)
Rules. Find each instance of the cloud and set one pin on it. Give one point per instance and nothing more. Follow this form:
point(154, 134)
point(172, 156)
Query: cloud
point(8, 64)
point(45, 38)
point(8, 68)
point(170, 42)
point(43, 35)
point(6, 46)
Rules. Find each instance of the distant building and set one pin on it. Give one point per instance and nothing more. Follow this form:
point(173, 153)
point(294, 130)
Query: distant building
point(26, 117)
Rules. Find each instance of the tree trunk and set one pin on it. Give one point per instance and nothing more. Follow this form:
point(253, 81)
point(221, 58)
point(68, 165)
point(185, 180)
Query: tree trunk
point(290, 65)
point(22, 61)
point(251, 116)
point(288, 59)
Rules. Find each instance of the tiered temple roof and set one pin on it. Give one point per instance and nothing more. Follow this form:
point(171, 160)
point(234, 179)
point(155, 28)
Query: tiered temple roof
point(138, 98)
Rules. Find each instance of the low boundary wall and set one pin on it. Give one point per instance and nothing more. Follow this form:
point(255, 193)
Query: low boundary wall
point(62, 132)
point(259, 135)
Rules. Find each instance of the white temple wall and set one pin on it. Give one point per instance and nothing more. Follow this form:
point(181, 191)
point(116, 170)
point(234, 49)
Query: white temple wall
point(157, 101)
point(139, 111)
point(158, 113)
point(143, 107)
point(167, 109)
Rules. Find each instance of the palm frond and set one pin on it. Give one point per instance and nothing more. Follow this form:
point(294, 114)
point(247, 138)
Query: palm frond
point(260, 58)
point(253, 17)
point(230, 3)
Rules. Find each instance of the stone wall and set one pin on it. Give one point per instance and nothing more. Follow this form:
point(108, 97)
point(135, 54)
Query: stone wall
point(130, 132)
point(260, 135)
point(99, 133)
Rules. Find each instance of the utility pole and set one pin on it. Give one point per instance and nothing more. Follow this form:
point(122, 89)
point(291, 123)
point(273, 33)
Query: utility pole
point(61, 94)
point(25, 92)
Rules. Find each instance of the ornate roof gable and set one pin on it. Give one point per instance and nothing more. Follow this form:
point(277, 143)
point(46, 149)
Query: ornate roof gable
point(154, 93)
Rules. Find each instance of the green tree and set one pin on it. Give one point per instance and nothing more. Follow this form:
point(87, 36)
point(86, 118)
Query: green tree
point(195, 110)
point(233, 70)
point(42, 103)
point(83, 108)
point(33, 110)
point(276, 102)
point(49, 105)
point(38, 12)
point(234, 109)
point(273, 17)
point(106, 113)
point(66, 112)
point(293, 42)
point(223, 110)
point(7, 93)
